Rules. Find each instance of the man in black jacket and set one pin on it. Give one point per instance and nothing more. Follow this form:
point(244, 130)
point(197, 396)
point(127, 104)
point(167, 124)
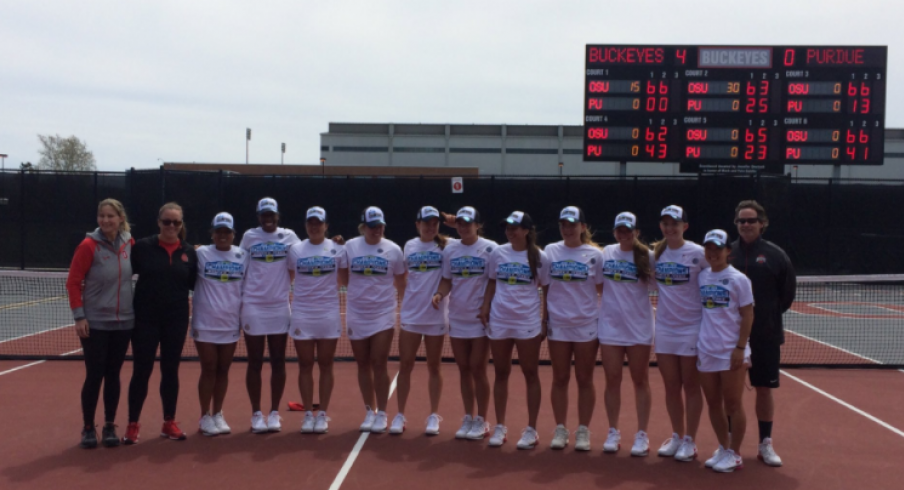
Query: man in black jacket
point(774, 284)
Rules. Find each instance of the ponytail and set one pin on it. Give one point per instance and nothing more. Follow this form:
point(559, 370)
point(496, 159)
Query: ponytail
point(659, 248)
point(587, 237)
point(642, 260)
point(441, 240)
point(533, 252)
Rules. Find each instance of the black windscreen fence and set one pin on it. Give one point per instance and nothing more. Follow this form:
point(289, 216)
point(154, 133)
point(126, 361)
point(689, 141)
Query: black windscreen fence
point(826, 226)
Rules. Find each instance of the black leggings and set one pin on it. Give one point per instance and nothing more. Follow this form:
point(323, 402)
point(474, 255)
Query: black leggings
point(105, 351)
point(148, 334)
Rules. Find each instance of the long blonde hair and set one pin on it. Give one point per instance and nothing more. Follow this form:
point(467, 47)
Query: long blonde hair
point(174, 206)
point(120, 210)
point(642, 259)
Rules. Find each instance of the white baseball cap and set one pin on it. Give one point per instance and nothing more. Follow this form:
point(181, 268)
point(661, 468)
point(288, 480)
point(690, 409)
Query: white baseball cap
point(267, 204)
point(519, 218)
point(223, 220)
point(373, 216)
point(468, 214)
point(316, 212)
point(676, 212)
point(572, 214)
point(427, 212)
point(626, 219)
point(717, 237)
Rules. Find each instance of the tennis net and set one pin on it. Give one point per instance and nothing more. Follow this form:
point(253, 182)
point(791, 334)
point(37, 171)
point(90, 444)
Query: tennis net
point(836, 321)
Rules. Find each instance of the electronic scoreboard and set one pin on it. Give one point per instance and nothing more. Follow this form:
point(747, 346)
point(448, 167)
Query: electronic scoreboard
point(761, 107)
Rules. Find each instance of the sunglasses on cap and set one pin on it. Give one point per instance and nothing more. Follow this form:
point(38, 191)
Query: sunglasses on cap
point(171, 222)
point(747, 221)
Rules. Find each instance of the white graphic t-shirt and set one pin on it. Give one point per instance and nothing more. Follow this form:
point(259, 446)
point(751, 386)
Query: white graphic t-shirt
point(217, 301)
point(267, 280)
point(316, 292)
point(626, 314)
point(370, 280)
point(721, 295)
point(573, 276)
point(424, 261)
point(466, 266)
point(678, 312)
point(516, 304)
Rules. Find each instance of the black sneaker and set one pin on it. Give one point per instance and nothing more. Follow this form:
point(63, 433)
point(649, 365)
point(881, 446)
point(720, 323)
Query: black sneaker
point(89, 438)
point(109, 437)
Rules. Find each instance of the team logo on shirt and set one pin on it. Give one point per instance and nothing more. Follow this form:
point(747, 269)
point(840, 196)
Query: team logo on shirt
point(714, 296)
point(672, 273)
point(369, 265)
point(424, 261)
point(315, 266)
point(760, 259)
point(513, 274)
point(569, 270)
point(224, 271)
point(467, 266)
point(620, 271)
point(269, 252)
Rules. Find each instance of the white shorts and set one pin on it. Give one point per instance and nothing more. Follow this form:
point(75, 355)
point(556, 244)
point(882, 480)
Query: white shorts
point(430, 330)
point(710, 364)
point(465, 330)
point(586, 333)
point(315, 328)
point(257, 320)
point(677, 346)
point(216, 336)
point(359, 328)
point(496, 333)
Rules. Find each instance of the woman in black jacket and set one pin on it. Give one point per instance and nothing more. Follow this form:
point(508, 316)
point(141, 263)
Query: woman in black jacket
point(166, 266)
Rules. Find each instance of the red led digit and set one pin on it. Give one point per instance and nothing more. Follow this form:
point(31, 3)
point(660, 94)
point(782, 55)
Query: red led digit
point(866, 153)
point(864, 106)
point(648, 134)
point(748, 152)
point(761, 135)
point(851, 152)
point(748, 136)
point(751, 88)
point(864, 136)
point(789, 57)
point(651, 88)
point(764, 87)
point(663, 104)
point(663, 131)
point(650, 150)
point(761, 152)
point(763, 104)
point(751, 105)
point(864, 89)
point(681, 54)
point(651, 104)
point(662, 151)
point(663, 88)
point(850, 137)
point(852, 89)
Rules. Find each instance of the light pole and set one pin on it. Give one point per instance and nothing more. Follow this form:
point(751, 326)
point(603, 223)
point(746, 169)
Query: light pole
point(322, 166)
point(561, 166)
point(3, 157)
point(283, 154)
point(795, 173)
point(247, 139)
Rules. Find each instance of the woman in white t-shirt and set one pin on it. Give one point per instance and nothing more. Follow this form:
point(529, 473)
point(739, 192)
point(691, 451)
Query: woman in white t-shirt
point(626, 328)
point(376, 284)
point(265, 310)
point(464, 283)
point(575, 273)
point(511, 310)
point(321, 268)
point(424, 260)
point(217, 305)
point(727, 299)
point(678, 316)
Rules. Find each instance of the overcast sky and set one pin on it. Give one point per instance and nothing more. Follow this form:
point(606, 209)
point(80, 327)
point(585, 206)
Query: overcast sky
point(178, 81)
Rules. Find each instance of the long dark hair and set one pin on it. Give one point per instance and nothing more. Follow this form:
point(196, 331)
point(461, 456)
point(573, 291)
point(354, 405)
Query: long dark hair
point(642, 259)
point(533, 252)
point(441, 240)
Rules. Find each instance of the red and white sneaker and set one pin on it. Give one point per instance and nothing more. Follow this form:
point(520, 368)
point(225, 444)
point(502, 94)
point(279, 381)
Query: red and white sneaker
point(172, 431)
point(131, 436)
point(730, 462)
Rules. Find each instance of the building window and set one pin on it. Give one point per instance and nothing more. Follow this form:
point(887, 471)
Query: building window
point(413, 149)
point(573, 152)
point(362, 149)
point(475, 150)
point(324, 148)
point(532, 151)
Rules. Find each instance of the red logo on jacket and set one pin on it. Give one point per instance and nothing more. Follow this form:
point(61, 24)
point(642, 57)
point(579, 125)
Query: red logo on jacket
point(184, 258)
point(761, 259)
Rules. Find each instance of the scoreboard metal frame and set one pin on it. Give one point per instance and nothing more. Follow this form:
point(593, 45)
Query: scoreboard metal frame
point(763, 106)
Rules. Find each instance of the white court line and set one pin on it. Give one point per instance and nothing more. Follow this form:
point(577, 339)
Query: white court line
point(357, 449)
point(39, 332)
point(811, 339)
point(847, 405)
point(26, 304)
point(34, 363)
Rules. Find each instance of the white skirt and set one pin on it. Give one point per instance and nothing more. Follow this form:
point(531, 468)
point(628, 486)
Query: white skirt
point(586, 333)
point(360, 327)
point(466, 330)
point(430, 330)
point(257, 320)
point(316, 328)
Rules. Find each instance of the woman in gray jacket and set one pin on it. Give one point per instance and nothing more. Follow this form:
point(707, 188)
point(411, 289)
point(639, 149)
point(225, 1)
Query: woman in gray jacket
point(100, 295)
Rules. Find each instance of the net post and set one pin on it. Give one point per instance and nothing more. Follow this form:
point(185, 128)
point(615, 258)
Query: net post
point(22, 227)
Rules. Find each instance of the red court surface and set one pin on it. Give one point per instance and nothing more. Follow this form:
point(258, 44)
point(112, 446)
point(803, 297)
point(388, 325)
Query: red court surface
point(825, 445)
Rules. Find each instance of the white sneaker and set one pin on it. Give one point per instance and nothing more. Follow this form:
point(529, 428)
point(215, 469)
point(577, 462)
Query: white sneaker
point(498, 435)
point(307, 425)
point(613, 441)
point(398, 424)
point(688, 450)
point(433, 424)
point(729, 462)
point(368, 423)
point(465, 427)
point(529, 438)
point(222, 427)
point(670, 447)
point(258, 425)
point(321, 423)
point(717, 455)
point(641, 444)
point(479, 429)
point(582, 438)
point(379, 426)
point(559, 438)
point(207, 426)
point(273, 422)
point(767, 453)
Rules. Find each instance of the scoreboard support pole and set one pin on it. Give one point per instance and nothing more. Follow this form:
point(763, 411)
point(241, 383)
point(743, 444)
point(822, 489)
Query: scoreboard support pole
point(623, 169)
point(836, 172)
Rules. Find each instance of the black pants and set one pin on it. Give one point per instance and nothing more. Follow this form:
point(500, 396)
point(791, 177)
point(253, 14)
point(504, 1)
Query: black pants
point(169, 335)
point(105, 351)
